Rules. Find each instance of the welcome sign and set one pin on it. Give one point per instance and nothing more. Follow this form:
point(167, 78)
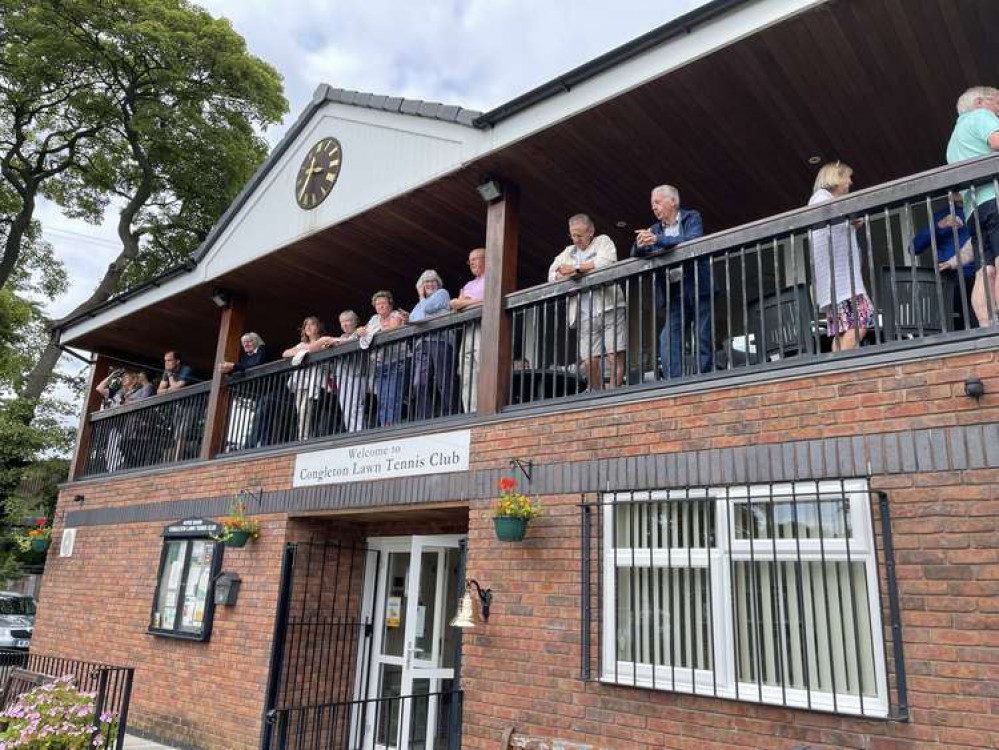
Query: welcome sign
point(405, 457)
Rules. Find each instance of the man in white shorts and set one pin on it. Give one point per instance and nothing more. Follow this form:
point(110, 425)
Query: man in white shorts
point(598, 313)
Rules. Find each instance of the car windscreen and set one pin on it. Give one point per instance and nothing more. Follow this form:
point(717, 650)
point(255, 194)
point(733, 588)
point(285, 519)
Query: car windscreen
point(17, 605)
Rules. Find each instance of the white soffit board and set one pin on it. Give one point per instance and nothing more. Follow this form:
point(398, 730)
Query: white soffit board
point(718, 33)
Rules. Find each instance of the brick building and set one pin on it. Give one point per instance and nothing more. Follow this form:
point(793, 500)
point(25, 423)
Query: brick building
point(789, 548)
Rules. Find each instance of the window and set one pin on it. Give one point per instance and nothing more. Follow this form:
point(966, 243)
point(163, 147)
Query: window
point(190, 561)
point(763, 593)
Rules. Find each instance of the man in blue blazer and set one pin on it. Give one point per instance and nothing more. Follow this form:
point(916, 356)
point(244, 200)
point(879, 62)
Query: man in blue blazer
point(689, 289)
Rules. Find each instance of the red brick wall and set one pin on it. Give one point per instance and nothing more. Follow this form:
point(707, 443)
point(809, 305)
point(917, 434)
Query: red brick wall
point(522, 669)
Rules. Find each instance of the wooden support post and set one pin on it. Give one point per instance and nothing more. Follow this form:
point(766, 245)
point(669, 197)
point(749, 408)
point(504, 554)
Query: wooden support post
point(226, 350)
point(501, 279)
point(91, 402)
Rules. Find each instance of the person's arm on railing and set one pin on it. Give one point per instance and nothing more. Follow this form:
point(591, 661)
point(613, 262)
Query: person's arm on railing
point(691, 228)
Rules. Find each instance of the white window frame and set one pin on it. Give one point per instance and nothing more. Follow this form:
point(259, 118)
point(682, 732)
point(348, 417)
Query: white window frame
point(718, 560)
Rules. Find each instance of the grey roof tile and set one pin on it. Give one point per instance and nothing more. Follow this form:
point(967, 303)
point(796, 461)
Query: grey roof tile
point(417, 107)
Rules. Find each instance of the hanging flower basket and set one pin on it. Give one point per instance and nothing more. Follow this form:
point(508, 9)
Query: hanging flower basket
point(236, 538)
point(510, 529)
point(40, 545)
point(33, 542)
point(512, 511)
point(238, 528)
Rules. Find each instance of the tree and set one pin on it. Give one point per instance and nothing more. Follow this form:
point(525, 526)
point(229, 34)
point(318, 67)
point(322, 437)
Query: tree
point(28, 430)
point(50, 105)
point(175, 105)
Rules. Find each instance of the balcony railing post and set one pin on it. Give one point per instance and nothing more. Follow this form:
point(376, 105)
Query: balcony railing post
point(91, 402)
point(502, 226)
point(227, 350)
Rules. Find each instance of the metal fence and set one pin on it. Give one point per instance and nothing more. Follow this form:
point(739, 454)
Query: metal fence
point(762, 593)
point(158, 430)
point(111, 687)
point(428, 721)
point(422, 372)
point(877, 270)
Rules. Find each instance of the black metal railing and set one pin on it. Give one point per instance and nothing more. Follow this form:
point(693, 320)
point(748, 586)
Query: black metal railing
point(762, 593)
point(158, 430)
point(421, 372)
point(325, 645)
point(757, 296)
point(111, 687)
point(429, 721)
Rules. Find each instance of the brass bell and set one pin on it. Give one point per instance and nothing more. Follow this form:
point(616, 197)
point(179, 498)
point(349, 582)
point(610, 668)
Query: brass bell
point(466, 613)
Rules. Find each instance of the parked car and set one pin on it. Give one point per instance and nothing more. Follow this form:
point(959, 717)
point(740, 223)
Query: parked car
point(17, 619)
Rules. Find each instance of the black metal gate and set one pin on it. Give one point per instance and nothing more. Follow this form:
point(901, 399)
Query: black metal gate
point(318, 694)
point(322, 638)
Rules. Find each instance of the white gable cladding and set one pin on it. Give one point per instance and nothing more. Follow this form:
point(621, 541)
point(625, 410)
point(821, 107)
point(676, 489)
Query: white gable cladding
point(380, 160)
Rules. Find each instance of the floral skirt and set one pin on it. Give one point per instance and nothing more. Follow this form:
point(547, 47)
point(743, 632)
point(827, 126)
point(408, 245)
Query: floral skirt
point(857, 312)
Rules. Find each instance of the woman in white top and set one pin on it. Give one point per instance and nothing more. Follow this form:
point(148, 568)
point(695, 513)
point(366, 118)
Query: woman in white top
point(305, 384)
point(839, 290)
point(390, 361)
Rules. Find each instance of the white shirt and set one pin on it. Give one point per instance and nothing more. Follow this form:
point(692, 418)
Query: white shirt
point(846, 269)
point(602, 252)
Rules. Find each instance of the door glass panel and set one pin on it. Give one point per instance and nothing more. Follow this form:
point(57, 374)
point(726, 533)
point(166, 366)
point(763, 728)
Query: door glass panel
point(419, 714)
point(451, 560)
point(394, 628)
point(426, 623)
point(387, 709)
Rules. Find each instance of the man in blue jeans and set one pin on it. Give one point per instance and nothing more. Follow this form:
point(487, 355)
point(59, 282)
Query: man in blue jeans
point(689, 288)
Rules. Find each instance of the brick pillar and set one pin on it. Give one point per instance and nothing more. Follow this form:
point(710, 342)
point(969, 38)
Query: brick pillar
point(502, 222)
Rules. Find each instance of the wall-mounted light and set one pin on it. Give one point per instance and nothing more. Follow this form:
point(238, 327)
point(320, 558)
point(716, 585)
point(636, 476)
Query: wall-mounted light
point(220, 297)
point(466, 608)
point(490, 190)
point(78, 498)
point(974, 387)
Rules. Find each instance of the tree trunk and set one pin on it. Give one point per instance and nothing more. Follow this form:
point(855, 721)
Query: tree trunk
point(12, 246)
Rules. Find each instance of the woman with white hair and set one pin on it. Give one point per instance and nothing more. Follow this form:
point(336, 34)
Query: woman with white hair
point(254, 354)
point(433, 356)
point(839, 284)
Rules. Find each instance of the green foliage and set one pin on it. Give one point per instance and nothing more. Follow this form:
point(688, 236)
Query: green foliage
point(56, 716)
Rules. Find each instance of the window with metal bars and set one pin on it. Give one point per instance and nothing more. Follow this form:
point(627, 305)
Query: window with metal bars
point(764, 593)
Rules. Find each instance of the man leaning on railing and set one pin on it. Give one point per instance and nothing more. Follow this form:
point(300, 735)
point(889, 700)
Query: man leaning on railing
point(471, 295)
point(689, 293)
point(976, 133)
point(595, 313)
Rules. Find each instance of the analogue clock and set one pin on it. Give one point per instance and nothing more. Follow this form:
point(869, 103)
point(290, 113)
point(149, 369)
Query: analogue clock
point(318, 173)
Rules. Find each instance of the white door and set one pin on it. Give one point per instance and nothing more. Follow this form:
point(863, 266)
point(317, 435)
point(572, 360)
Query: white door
point(412, 665)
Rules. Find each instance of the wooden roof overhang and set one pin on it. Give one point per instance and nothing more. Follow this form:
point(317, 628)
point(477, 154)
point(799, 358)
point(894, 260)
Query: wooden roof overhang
point(871, 82)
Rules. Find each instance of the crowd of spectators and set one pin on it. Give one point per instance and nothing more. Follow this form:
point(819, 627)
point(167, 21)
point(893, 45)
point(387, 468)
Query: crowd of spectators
point(436, 375)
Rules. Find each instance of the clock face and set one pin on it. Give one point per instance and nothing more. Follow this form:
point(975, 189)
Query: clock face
point(318, 173)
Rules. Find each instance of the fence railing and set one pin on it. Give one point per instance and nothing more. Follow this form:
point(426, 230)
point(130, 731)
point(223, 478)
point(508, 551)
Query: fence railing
point(427, 721)
point(878, 269)
point(158, 430)
point(110, 685)
point(761, 593)
point(422, 372)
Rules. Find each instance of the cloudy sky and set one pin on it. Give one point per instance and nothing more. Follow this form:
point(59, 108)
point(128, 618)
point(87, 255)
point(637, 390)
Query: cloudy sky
point(474, 53)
